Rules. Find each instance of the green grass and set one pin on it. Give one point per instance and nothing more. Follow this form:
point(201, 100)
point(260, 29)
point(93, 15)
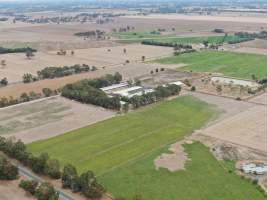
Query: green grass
point(137, 35)
point(204, 179)
point(238, 65)
point(116, 141)
point(198, 40)
point(150, 36)
point(122, 151)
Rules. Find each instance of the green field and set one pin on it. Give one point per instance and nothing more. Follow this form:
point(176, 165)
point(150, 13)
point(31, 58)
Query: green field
point(197, 40)
point(204, 179)
point(121, 151)
point(150, 36)
point(127, 137)
point(238, 65)
point(137, 35)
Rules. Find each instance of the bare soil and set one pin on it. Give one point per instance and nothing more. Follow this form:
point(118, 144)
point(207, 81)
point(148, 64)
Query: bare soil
point(173, 161)
point(17, 64)
point(10, 190)
point(47, 118)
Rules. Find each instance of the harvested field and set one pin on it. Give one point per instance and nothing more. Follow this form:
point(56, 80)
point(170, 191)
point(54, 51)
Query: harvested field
point(228, 107)
point(248, 128)
point(47, 118)
point(9, 190)
point(203, 18)
point(17, 64)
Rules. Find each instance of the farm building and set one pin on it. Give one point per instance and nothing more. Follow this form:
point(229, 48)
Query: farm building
point(115, 87)
point(227, 80)
point(253, 168)
point(132, 91)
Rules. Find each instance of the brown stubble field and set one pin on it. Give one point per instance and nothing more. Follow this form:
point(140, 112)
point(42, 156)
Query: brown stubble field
point(245, 128)
point(48, 117)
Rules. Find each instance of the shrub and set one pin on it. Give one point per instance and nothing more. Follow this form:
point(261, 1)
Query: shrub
point(7, 170)
point(46, 192)
point(29, 186)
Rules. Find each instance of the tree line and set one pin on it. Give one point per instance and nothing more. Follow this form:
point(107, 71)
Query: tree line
point(4, 50)
point(7, 170)
point(25, 97)
point(56, 72)
point(42, 164)
point(167, 44)
point(158, 94)
point(88, 91)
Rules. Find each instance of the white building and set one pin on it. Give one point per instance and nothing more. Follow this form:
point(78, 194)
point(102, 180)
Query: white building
point(252, 168)
point(132, 91)
point(114, 87)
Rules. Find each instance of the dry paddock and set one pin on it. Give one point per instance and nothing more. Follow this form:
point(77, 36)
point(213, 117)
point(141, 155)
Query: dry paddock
point(128, 71)
point(47, 118)
point(247, 128)
point(17, 64)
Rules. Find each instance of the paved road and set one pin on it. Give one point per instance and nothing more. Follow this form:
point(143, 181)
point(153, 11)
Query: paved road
point(25, 172)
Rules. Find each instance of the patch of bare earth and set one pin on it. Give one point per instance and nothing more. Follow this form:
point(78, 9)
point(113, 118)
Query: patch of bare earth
point(47, 118)
point(175, 160)
point(9, 190)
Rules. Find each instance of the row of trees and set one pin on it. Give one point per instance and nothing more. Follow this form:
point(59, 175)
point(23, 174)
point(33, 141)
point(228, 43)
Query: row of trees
point(41, 164)
point(55, 72)
point(85, 93)
point(43, 191)
point(167, 44)
point(158, 94)
point(25, 97)
point(4, 50)
point(86, 183)
point(7, 170)
point(88, 91)
point(260, 35)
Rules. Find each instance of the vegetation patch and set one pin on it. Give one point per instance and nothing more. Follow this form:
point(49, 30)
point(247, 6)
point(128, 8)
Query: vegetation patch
point(204, 178)
point(248, 66)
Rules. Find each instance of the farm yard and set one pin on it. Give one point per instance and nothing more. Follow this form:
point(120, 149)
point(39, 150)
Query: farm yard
point(47, 118)
point(227, 63)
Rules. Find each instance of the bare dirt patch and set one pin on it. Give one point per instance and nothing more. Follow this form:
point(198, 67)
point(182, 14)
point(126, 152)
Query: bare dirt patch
point(175, 160)
point(47, 118)
point(9, 190)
